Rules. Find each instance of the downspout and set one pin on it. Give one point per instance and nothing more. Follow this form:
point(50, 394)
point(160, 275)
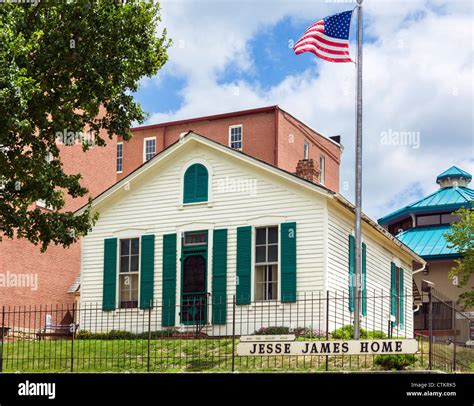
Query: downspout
point(422, 269)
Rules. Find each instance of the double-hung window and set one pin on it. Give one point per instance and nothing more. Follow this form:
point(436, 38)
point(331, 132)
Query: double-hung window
point(149, 149)
point(266, 263)
point(235, 137)
point(119, 157)
point(322, 169)
point(128, 272)
point(306, 150)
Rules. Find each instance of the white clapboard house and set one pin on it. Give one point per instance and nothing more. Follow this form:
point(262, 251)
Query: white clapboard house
point(201, 224)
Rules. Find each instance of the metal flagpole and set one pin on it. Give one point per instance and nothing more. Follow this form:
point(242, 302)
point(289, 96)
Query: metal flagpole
point(358, 178)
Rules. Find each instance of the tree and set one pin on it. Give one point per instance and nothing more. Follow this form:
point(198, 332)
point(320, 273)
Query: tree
point(59, 63)
point(461, 237)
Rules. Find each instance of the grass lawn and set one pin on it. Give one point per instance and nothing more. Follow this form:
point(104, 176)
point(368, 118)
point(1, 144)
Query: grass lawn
point(166, 355)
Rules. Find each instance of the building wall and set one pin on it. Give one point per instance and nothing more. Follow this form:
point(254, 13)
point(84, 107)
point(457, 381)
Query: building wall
point(438, 274)
point(378, 275)
point(57, 268)
point(258, 137)
point(154, 208)
point(258, 141)
point(292, 135)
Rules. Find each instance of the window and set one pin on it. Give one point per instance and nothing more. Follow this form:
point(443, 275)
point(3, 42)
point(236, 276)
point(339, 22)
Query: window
point(306, 150)
point(195, 184)
point(193, 239)
point(449, 218)
point(119, 157)
point(235, 137)
point(149, 149)
point(266, 263)
point(436, 219)
point(128, 272)
point(322, 169)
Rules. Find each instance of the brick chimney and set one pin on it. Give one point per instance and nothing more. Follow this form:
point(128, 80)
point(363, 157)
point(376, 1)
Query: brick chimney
point(306, 170)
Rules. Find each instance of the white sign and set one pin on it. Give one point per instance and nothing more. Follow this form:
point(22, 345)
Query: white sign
point(470, 342)
point(334, 347)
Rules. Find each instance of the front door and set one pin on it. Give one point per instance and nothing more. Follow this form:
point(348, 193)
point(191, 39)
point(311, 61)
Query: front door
point(194, 284)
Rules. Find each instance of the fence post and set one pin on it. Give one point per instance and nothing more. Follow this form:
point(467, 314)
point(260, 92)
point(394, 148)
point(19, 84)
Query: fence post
point(327, 326)
point(233, 333)
point(3, 333)
point(149, 336)
point(430, 327)
point(73, 336)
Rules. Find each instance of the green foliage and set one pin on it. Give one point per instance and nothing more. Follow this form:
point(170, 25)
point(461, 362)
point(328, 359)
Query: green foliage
point(66, 67)
point(376, 335)
point(461, 238)
point(398, 362)
point(123, 335)
point(347, 332)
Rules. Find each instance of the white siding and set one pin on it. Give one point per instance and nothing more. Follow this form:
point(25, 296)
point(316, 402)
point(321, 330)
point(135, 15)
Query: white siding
point(154, 208)
point(378, 276)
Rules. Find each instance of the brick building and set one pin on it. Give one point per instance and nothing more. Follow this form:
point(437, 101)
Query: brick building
point(269, 134)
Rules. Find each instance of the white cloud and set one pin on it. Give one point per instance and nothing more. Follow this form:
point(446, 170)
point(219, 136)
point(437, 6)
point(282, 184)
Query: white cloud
point(417, 78)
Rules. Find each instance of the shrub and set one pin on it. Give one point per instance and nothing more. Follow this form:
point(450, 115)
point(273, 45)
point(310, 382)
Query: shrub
point(347, 332)
point(376, 335)
point(123, 335)
point(307, 332)
point(397, 362)
point(275, 330)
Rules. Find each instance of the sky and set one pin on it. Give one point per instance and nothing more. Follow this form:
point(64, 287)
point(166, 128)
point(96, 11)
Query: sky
point(418, 106)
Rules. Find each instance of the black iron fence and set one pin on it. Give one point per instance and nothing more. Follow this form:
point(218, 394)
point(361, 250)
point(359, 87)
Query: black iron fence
point(204, 335)
point(446, 331)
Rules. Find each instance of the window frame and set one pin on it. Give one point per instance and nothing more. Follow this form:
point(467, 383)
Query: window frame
point(145, 148)
point(208, 168)
point(241, 136)
point(117, 158)
point(306, 149)
point(265, 264)
point(322, 169)
point(119, 273)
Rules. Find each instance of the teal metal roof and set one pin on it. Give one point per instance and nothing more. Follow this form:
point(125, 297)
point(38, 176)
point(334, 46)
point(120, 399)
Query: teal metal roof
point(428, 242)
point(448, 198)
point(453, 172)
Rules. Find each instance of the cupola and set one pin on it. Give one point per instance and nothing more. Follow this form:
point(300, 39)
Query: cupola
point(453, 177)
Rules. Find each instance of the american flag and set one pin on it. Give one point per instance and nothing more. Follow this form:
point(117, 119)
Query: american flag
point(327, 38)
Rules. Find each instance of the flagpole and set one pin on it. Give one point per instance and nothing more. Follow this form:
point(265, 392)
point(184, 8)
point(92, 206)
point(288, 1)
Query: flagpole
point(358, 177)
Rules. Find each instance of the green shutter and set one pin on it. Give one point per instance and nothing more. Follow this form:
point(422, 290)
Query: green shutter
point(288, 262)
point(402, 298)
point(219, 277)
point(202, 180)
point(147, 271)
point(110, 274)
point(393, 292)
point(189, 184)
point(351, 272)
point(169, 280)
point(244, 264)
point(195, 185)
point(364, 279)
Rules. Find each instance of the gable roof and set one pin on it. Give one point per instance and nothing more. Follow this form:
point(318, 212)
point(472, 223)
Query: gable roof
point(281, 173)
point(453, 172)
point(448, 198)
